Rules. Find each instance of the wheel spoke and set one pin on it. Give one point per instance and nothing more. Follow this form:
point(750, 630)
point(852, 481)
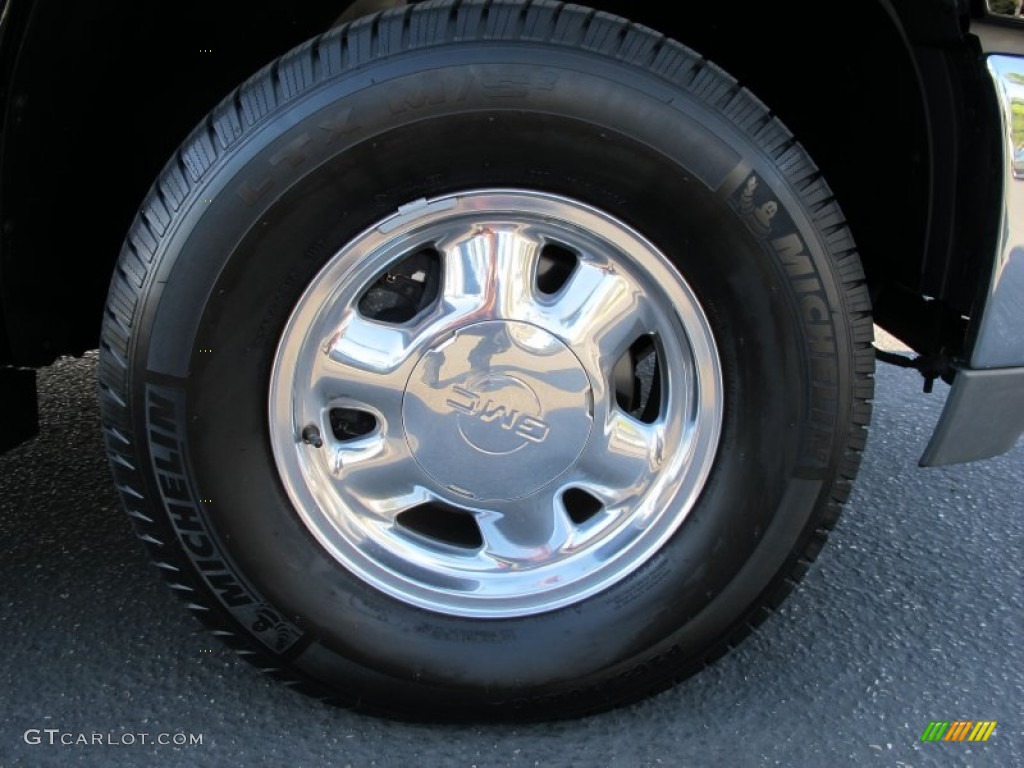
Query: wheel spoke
point(490, 273)
point(532, 530)
point(620, 462)
point(599, 312)
point(370, 345)
point(363, 363)
point(377, 473)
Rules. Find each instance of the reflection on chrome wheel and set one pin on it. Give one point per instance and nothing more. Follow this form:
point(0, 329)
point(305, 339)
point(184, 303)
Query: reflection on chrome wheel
point(538, 403)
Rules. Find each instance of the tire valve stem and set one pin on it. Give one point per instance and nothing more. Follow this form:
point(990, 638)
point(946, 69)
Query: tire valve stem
point(311, 436)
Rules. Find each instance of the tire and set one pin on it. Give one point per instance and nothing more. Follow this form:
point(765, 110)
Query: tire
point(558, 511)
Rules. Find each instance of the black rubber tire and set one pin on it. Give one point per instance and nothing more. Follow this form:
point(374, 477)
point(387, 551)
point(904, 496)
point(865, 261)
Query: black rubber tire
point(442, 97)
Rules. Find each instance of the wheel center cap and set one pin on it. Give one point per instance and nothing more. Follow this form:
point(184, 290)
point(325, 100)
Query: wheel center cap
point(497, 411)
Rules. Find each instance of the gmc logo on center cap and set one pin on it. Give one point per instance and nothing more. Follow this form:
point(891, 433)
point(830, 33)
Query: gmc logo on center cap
point(489, 411)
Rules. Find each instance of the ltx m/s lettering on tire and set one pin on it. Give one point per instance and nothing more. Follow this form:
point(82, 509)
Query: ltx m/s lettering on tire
point(481, 361)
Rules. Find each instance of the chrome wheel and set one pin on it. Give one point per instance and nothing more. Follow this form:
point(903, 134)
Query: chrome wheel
point(495, 403)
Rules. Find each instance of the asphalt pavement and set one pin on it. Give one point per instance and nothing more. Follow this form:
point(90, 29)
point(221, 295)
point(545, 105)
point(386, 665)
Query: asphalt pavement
point(913, 613)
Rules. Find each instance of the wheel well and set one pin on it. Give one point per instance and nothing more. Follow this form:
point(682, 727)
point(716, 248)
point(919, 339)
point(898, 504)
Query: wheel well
point(131, 85)
point(97, 97)
point(888, 99)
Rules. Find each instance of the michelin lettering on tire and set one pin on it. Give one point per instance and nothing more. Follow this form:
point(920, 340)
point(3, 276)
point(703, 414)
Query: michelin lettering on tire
point(759, 209)
point(164, 411)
